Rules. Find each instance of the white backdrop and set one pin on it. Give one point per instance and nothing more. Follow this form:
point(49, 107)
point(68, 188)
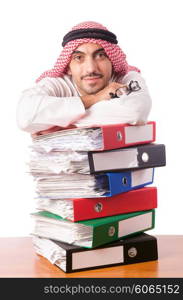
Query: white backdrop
point(149, 32)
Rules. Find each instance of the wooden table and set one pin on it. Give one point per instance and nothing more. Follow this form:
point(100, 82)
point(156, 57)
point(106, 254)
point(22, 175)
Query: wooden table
point(18, 259)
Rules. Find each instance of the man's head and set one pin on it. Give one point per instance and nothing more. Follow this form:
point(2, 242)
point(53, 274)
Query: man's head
point(97, 37)
point(90, 68)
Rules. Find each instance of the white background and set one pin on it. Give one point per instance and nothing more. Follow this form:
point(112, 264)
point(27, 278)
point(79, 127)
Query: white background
point(149, 32)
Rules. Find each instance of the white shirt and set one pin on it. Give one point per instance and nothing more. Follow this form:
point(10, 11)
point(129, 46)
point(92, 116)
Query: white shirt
point(56, 102)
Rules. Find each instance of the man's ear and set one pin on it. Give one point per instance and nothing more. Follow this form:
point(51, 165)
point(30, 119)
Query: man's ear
point(69, 71)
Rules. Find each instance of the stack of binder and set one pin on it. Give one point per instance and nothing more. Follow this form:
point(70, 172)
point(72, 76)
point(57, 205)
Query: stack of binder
point(93, 202)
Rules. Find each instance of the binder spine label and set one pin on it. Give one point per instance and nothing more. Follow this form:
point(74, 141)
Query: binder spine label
point(143, 176)
point(112, 160)
point(98, 257)
point(135, 134)
point(138, 223)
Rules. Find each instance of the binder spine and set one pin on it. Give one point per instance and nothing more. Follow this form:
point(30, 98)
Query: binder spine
point(141, 199)
point(139, 249)
point(111, 232)
point(114, 135)
point(122, 182)
point(148, 156)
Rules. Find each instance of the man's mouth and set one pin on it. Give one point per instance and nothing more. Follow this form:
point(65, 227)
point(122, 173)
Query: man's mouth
point(92, 75)
point(92, 78)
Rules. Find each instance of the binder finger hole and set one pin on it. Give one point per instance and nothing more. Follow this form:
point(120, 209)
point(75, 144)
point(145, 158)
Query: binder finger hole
point(132, 252)
point(98, 207)
point(145, 157)
point(119, 135)
point(124, 181)
point(111, 231)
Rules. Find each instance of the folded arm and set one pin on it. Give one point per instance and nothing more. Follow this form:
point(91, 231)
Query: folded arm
point(47, 104)
point(54, 103)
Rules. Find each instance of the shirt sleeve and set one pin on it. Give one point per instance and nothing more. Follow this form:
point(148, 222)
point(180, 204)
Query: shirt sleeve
point(136, 106)
point(49, 103)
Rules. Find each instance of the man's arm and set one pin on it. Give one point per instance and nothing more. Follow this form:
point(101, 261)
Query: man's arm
point(49, 103)
point(49, 106)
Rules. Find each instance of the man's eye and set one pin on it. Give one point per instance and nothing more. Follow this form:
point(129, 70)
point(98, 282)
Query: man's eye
point(78, 57)
point(101, 55)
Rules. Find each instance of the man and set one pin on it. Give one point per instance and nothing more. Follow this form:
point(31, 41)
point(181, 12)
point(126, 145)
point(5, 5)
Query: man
point(90, 84)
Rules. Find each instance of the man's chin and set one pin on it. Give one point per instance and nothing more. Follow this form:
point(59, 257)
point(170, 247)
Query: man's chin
point(92, 90)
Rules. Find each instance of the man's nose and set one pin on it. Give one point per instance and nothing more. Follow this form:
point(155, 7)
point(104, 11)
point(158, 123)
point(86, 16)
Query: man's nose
point(90, 65)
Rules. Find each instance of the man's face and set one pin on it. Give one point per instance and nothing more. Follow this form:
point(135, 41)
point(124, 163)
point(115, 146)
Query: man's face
point(90, 68)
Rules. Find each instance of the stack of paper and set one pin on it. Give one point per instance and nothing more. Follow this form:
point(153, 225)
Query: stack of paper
point(76, 139)
point(91, 193)
point(72, 185)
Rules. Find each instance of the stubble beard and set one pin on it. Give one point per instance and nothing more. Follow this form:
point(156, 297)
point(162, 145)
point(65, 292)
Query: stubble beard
point(92, 90)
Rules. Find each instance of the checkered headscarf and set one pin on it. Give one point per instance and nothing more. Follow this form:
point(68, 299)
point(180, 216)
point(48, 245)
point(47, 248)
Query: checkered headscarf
point(97, 34)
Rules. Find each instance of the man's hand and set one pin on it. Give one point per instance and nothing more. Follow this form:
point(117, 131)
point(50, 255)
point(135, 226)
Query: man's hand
point(104, 94)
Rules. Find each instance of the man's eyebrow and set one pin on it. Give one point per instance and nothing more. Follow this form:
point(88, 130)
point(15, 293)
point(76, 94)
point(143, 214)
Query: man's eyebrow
point(76, 52)
point(98, 50)
point(80, 52)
